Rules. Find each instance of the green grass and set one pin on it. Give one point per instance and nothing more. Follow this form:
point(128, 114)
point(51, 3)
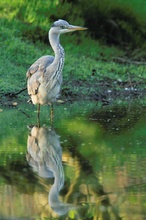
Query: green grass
point(115, 22)
point(87, 61)
point(18, 54)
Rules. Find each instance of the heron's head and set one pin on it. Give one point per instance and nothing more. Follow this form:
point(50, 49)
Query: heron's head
point(62, 26)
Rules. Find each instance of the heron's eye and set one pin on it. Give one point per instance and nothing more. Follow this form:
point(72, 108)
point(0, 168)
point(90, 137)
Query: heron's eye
point(63, 27)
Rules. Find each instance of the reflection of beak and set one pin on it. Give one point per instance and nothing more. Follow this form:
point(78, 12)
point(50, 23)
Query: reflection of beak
point(76, 28)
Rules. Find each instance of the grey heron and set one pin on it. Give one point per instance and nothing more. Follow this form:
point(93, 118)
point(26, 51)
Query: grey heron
point(45, 75)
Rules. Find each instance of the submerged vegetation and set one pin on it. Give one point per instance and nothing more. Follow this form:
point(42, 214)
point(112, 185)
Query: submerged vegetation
point(100, 63)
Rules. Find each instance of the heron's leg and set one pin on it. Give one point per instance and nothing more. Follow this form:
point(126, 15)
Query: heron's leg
point(51, 114)
point(38, 118)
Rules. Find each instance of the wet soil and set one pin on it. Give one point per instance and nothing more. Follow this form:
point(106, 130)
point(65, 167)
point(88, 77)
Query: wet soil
point(106, 91)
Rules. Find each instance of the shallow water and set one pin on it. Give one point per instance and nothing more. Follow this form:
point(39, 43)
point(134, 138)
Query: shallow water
point(90, 165)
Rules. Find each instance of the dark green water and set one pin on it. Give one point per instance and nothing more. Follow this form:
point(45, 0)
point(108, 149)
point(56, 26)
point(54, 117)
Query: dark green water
point(91, 165)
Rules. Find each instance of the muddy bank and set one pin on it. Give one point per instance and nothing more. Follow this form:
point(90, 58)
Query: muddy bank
point(105, 91)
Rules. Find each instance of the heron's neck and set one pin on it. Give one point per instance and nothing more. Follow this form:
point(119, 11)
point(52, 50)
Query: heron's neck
point(57, 48)
point(58, 63)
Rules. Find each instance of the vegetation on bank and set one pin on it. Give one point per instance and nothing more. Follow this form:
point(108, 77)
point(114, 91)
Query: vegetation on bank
point(90, 69)
point(114, 22)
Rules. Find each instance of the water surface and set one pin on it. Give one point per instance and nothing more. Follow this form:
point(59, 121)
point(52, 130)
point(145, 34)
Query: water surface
point(90, 165)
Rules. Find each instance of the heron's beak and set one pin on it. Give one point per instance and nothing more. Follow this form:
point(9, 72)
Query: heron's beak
point(76, 28)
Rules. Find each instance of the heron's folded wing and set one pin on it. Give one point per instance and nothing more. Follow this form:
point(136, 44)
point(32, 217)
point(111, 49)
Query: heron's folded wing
point(41, 63)
point(35, 73)
point(34, 82)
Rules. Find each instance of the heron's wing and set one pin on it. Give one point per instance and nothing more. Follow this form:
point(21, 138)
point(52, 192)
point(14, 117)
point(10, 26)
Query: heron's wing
point(35, 73)
point(41, 63)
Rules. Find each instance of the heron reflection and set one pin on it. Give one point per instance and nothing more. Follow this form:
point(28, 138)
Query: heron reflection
point(45, 157)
